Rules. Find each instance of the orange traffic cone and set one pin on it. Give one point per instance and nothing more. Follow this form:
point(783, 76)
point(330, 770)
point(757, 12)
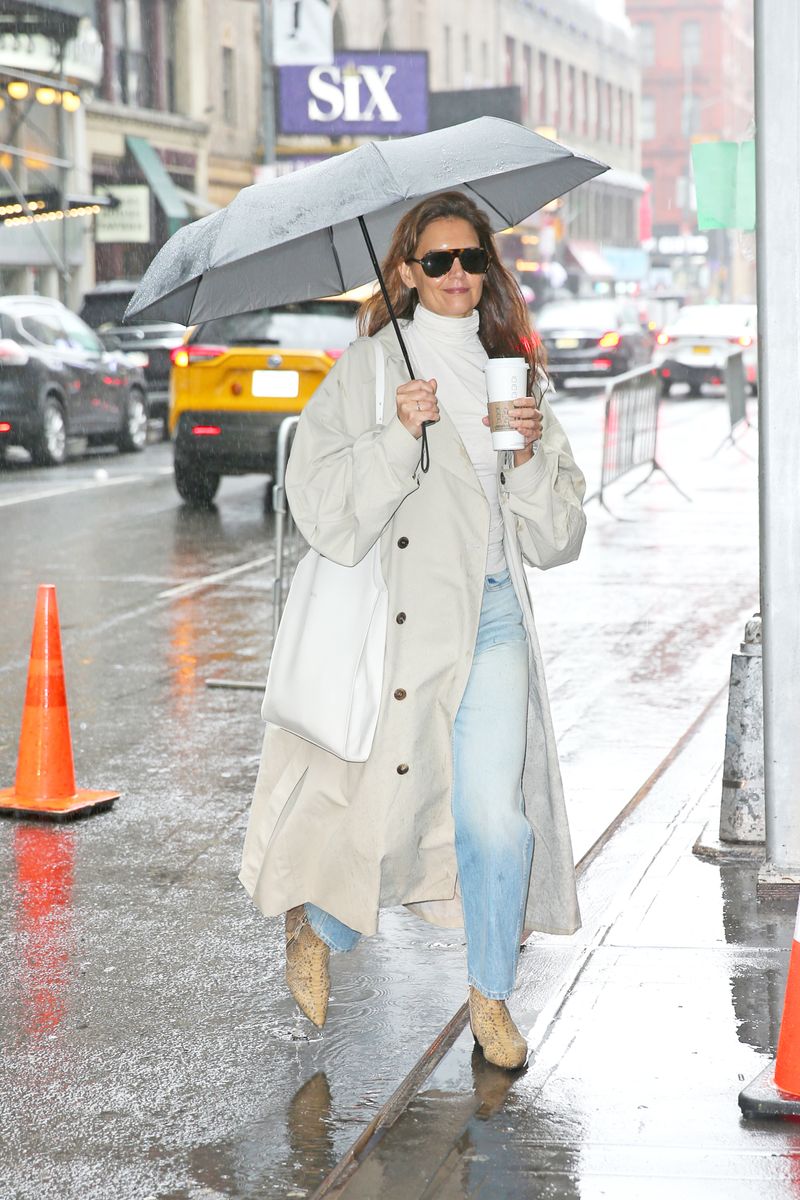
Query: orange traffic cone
point(45, 781)
point(775, 1092)
point(787, 1061)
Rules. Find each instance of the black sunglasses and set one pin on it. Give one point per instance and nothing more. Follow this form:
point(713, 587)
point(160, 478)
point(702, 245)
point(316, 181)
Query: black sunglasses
point(474, 260)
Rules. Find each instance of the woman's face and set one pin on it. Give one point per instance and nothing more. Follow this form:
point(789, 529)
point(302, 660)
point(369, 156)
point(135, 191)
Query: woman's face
point(452, 295)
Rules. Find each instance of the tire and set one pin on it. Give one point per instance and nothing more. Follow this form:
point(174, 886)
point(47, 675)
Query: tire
point(196, 485)
point(132, 437)
point(50, 447)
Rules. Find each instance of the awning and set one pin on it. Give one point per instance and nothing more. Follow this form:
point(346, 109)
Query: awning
point(161, 183)
point(590, 259)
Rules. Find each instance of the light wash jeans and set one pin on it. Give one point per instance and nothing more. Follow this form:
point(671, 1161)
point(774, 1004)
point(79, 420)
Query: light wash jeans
point(493, 839)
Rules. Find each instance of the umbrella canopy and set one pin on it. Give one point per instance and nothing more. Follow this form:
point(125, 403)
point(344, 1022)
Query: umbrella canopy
point(298, 237)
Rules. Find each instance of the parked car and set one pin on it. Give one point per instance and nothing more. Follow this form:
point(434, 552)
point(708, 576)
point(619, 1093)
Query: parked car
point(103, 308)
point(57, 380)
point(592, 338)
point(695, 346)
point(236, 378)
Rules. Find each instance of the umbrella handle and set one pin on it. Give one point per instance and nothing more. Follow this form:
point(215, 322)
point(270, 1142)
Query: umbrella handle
point(425, 456)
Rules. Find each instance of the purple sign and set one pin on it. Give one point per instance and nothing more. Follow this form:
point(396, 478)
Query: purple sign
point(359, 93)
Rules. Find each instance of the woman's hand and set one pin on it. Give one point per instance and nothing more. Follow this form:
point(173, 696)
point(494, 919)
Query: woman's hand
point(416, 403)
point(528, 421)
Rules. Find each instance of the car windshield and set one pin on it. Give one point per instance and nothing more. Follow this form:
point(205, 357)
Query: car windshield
point(312, 324)
point(577, 314)
point(714, 318)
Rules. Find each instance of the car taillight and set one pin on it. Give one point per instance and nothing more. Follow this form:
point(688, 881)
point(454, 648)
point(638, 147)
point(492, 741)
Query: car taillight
point(334, 354)
point(206, 430)
point(181, 356)
point(609, 340)
point(663, 339)
point(5, 427)
point(744, 340)
point(602, 364)
point(12, 354)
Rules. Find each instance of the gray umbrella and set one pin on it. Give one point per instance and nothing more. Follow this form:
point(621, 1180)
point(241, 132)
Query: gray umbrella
point(299, 237)
point(322, 230)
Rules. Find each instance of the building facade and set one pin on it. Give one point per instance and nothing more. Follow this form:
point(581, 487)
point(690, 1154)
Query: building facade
point(577, 74)
point(177, 114)
point(171, 119)
point(50, 60)
point(697, 85)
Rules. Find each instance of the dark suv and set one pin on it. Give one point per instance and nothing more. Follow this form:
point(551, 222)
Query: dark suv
point(592, 338)
point(103, 308)
point(57, 380)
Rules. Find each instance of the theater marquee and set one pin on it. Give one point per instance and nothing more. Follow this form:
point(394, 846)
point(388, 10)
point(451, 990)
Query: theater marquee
point(357, 95)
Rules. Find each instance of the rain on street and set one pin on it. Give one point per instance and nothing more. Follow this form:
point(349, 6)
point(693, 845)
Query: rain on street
point(145, 1010)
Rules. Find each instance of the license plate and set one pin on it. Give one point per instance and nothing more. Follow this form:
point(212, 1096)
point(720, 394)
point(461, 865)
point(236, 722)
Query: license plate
point(276, 385)
point(702, 349)
point(566, 343)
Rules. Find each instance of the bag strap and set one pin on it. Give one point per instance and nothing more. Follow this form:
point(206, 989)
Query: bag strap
point(380, 376)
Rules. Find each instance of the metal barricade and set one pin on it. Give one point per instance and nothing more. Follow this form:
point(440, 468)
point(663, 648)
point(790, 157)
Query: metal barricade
point(283, 524)
point(736, 388)
point(736, 396)
point(630, 430)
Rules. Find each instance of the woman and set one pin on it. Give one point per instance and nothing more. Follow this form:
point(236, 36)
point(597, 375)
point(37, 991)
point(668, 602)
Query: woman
point(463, 780)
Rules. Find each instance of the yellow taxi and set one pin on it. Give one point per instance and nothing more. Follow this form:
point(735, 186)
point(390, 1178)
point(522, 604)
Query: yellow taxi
point(234, 379)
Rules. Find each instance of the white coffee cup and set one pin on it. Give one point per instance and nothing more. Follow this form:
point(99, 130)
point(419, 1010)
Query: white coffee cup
point(506, 381)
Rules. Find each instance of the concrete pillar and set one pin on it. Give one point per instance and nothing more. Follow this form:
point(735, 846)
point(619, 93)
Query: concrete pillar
point(741, 816)
point(777, 41)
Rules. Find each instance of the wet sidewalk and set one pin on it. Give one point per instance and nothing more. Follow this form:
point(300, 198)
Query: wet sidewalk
point(643, 1030)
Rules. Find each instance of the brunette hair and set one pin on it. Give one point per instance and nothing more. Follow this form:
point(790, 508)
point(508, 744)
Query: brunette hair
point(505, 328)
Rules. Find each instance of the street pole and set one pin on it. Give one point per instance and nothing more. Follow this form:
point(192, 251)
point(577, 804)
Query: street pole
point(64, 276)
point(777, 74)
point(267, 83)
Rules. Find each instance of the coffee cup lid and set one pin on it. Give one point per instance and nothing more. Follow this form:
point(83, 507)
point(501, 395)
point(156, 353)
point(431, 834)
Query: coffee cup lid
point(506, 362)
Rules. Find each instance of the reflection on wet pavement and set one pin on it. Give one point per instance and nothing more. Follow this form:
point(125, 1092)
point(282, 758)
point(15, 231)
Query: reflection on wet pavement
point(42, 928)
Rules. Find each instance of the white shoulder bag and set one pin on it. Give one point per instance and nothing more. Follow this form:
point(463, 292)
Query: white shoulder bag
point(326, 670)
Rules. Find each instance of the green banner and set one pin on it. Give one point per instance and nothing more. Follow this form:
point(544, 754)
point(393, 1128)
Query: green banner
point(725, 183)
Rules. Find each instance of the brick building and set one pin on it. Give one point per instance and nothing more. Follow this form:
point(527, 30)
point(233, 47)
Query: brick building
point(697, 84)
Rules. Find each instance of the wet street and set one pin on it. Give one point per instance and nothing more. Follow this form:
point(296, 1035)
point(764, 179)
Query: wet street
point(150, 1049)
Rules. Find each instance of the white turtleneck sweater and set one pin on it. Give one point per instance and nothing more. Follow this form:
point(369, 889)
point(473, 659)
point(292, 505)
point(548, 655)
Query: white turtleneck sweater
point(449, 350)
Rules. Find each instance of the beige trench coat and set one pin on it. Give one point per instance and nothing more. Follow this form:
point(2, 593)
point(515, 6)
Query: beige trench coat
point(356, 837)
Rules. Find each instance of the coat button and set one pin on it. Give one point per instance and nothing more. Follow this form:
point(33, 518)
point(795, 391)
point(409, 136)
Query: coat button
point(402, 769)
point(400, 618)
point(502, 476)
point(402, 542)
point(400, 694)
